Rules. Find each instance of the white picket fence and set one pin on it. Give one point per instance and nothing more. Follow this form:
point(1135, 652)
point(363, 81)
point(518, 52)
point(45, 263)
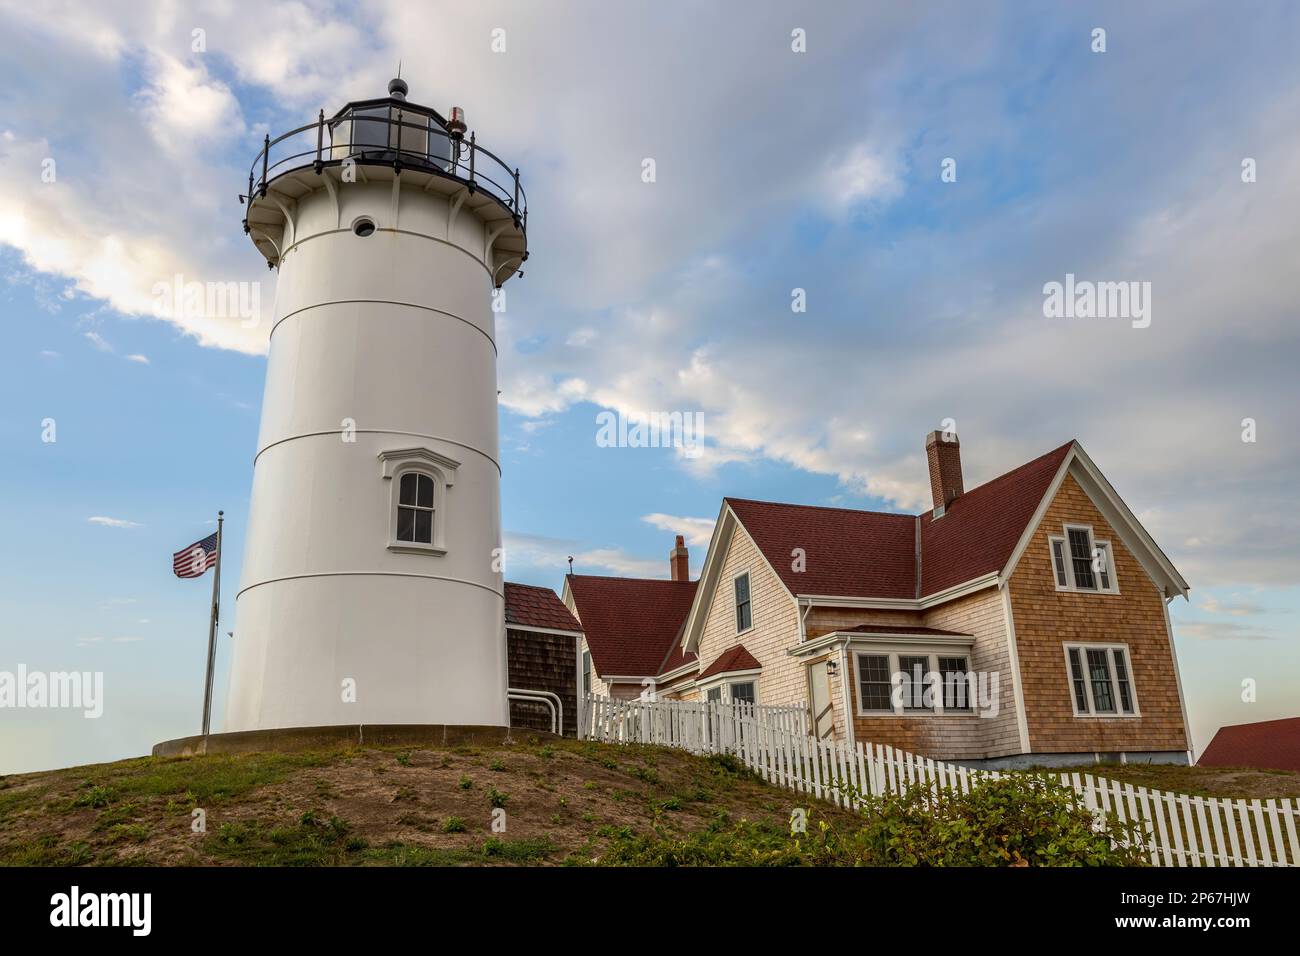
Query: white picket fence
point(706, 727)
point(1178, 829)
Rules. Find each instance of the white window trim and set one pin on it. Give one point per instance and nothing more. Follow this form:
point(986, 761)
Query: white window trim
point(742, 680)
point(932, 654)
point(1093, 544)
point(1091, 713)
point(726, 679)
point(735, 605)
point(421, 461)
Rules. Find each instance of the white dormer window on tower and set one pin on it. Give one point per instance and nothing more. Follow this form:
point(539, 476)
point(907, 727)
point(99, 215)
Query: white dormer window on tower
point(415, 508)
point(419, 479)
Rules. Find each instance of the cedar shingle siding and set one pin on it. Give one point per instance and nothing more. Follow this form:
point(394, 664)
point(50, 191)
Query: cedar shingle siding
point(1046, 619)
point(543, 662)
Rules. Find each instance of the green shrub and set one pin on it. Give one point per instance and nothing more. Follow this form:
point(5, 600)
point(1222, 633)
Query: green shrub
point(1013, 821)
point(92, 795)
point(1018, 821)
point(647, 774)
point(518, 850)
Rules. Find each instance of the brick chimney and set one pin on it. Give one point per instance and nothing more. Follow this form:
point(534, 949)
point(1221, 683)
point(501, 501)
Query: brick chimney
point(679, 561)
point(944, 456)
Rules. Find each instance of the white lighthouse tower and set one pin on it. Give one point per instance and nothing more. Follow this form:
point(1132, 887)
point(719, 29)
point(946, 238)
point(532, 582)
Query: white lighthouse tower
point(372, 588)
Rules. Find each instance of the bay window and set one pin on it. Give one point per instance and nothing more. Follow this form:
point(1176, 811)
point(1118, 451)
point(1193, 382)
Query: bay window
point(913, 682)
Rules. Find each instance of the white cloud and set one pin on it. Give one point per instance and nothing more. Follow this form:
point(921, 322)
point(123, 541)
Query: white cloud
point(860, 175)
point(617, 562)
point(136, 357)
point(551, 555)
point(698, 532)
point(98, 341)
point(105, 522)
point(185, 109)
point(687, 280)
point(1221, 631)
point(70, 228)
point(1235, 607)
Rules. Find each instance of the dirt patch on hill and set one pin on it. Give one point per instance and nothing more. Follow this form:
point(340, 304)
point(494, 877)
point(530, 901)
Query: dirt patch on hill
point(536, 802)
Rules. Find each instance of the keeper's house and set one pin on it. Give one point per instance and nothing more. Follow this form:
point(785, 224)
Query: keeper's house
point(1022, 622)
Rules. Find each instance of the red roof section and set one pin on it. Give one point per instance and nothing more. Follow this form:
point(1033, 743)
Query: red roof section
point(848, 553)
point(632, 624)
point(872, 554)
point(1268, 744)
point(896, 629)
point(980, 528)
point(676, 658)
point(732, 659)
point(528, 606)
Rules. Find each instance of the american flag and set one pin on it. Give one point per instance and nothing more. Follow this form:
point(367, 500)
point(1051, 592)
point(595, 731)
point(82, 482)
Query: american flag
point(194, 561)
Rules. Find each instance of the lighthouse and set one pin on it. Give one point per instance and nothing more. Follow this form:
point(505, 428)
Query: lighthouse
point(371, 588)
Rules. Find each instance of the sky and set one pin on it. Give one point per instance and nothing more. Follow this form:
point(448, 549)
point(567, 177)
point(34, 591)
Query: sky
point(126, 134)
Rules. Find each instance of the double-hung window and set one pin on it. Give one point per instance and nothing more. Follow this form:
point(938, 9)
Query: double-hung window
point(1082, 563)
point(742, 692)
point(415, 508)
point(1100, 681)
point(914, 671)
point(956, 688)
point(875, 688)
point(744, 608)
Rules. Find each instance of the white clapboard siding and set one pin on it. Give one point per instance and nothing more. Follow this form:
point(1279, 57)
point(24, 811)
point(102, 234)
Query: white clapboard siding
point(1173, 829)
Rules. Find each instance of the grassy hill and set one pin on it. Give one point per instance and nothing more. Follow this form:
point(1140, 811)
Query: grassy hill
point(564, 802)
point(1199, 781)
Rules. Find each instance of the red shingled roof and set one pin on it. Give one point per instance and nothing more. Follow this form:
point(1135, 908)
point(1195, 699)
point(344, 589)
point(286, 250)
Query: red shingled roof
point(632, 624)
point(980, 528)
point(852, 553)
point(848, 553)
point(896, 629)
point(528, 606)
point(1268, 744)
point(676, 658)
point(733, 659)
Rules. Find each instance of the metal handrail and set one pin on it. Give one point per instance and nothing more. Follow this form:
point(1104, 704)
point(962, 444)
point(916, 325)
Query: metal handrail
point(462, 159)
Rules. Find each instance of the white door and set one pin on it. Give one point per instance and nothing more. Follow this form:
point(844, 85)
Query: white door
point(819, 682)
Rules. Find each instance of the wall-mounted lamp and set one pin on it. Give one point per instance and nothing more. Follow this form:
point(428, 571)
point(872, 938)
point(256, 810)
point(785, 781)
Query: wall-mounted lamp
point(831, 665)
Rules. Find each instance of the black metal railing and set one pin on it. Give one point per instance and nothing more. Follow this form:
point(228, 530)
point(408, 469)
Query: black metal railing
point(391, 133)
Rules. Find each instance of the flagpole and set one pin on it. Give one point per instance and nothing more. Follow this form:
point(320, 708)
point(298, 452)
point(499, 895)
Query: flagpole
point(212, 632)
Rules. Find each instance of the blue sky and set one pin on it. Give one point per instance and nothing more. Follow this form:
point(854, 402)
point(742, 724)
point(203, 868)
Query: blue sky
point(775, 171)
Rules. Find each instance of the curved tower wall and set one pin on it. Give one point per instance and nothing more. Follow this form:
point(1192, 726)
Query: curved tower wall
point(382, 357)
